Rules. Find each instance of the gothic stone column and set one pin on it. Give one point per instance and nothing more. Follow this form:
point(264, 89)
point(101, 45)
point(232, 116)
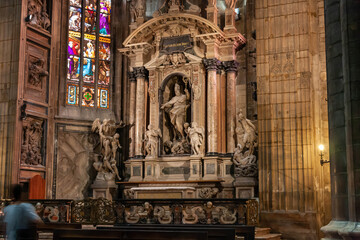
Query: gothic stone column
point(212, 103)
point(231, 70)
point(343, 77)
point(132, 80)
point(141, 74)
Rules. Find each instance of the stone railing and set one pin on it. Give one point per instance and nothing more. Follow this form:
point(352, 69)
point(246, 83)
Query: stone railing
point(149, 211)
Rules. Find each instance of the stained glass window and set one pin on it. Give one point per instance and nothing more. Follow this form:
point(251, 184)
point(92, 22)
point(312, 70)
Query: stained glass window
point(89, 53)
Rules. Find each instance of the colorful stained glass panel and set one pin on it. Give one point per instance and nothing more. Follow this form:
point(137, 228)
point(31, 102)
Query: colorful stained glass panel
point(104, 50)
point(73, 66)
point(103, 98)
point(90, 22)
point(104, 25)
point(72, 94)
point(90, 5)
point(89, 46)
point(88, 70)
point(88, 95)
point(74, 43)
point(76, 3)
point(104, 73)
point(105, 6)
point(75, 19)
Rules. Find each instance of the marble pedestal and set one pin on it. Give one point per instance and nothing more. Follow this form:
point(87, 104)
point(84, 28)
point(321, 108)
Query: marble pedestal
point(195, 168)
point(245, 187)
point(104, 189)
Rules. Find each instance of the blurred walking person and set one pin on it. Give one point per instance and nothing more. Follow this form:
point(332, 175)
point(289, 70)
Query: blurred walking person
point(20, 218)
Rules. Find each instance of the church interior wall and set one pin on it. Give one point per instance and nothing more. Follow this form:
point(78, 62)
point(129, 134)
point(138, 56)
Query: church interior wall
point(292, 116)
point(281, 86)
point(10, 12)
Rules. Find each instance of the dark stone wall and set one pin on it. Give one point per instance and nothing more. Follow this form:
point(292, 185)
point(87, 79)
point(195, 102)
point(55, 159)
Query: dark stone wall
point(10, 12)
point(342, 26)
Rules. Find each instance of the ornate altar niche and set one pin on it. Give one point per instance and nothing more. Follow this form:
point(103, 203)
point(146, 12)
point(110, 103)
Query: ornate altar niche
point(182, 110)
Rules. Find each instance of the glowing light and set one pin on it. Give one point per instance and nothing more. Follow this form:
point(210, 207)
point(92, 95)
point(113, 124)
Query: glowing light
point(321, 147)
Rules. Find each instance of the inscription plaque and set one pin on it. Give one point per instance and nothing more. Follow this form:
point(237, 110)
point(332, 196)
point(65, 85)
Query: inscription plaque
point(170, 45)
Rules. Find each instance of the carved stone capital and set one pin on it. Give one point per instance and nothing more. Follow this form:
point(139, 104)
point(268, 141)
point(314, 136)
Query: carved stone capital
point(141, 72)
point(212, 64)
point(131, 76)
point(231, 66)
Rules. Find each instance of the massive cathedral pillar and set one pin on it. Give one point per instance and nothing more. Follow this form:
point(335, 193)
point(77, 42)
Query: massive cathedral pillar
point(132, 80)
point(212, 103)
point(141, 74)
point(231, 69)
point(343, 78)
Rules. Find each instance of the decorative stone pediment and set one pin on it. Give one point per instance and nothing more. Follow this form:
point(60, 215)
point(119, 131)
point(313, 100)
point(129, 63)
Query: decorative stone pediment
point(170, 25)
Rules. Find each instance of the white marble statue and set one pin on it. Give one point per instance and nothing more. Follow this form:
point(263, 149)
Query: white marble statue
point(151, 140)
point(196, 135)
point(176, 108)
point(246, 134)
point(244, 159)
point(109, 143)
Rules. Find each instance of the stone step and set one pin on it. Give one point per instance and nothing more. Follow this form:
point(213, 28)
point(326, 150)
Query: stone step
point(272, 236)
point(262, 231)
point(265, 234)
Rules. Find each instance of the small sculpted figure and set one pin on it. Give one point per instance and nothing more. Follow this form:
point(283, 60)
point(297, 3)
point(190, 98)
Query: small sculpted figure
point(196, 135)
point(152, 136)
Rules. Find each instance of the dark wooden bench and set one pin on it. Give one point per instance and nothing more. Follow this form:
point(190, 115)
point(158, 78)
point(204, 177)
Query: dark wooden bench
point(214, 231)
point(129, 234)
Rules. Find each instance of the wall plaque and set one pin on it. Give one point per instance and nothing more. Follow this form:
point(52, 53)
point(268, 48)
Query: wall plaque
point(181, 43)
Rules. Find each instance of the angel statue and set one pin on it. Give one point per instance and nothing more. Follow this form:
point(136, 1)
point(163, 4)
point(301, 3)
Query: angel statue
point(151, 140)
point(196, 135)
point(109, 143)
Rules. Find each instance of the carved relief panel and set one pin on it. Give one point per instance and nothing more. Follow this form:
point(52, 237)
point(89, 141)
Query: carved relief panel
point(36, 72)
point(33, 146)
point(75, 157)
point(38, 14)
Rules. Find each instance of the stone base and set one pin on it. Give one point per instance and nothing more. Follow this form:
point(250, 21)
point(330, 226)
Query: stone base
point(104, 189)
point(245, 187)
point(341, 230)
